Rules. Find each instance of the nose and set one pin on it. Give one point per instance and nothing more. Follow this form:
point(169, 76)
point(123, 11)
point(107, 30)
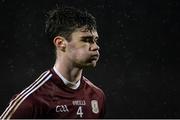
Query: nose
point(94, 47)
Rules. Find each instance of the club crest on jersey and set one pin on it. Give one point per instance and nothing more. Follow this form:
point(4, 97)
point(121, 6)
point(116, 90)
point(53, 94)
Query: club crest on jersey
point(94, 105)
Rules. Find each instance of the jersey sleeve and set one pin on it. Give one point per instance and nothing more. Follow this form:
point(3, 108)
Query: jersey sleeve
point(25, 110)
point(16, 109)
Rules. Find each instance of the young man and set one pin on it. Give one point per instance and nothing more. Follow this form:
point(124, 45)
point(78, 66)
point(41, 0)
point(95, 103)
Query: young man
point(63, 92)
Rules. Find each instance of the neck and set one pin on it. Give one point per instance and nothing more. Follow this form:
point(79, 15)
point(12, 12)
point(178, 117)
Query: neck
point(68, 71)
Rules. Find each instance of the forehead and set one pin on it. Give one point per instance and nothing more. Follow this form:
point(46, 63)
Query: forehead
point(83, 31)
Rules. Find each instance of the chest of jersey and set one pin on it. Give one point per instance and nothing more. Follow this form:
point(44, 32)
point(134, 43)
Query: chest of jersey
point(74, 108)
point(61, 102)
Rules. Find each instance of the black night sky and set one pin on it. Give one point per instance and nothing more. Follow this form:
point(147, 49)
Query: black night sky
point(139, 64)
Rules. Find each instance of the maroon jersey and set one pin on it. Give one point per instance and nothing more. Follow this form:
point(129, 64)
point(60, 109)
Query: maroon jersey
point(49, 97)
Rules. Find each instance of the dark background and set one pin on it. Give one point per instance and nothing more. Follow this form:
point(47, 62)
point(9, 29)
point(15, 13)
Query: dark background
point(139, 40)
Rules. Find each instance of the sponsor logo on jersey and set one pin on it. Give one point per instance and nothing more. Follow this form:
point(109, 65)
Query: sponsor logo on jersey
point(62, 108)
point(95, 107)
point(79, 102)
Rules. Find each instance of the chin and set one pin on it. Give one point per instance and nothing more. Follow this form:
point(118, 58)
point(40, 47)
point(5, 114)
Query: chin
point(87, 64)
point(92, 64)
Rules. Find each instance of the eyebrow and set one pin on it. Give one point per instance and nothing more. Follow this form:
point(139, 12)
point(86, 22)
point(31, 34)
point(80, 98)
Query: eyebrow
point(91, 37)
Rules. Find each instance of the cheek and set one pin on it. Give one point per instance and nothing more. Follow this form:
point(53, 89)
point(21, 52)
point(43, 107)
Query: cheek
point(80, 51)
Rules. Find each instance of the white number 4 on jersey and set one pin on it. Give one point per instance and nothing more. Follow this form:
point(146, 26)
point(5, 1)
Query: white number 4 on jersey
point(79, 111)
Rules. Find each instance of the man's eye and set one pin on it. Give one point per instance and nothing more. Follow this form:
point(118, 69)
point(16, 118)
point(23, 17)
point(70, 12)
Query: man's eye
point(96, 41)
point(88, 40)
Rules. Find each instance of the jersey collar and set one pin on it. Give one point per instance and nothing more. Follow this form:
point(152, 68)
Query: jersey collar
point(71, 85)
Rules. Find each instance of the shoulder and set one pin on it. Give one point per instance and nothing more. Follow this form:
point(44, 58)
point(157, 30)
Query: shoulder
point(93, 87)
point(38, 83)
point(42, 87)
point(28, 94)
point(25, 100)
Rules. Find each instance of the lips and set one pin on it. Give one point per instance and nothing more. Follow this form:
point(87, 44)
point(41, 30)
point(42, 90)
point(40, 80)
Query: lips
point(94, 57)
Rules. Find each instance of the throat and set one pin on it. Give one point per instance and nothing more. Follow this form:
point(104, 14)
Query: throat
point(69, 78)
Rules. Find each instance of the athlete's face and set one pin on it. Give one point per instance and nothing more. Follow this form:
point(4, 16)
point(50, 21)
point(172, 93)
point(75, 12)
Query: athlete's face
point(82, 49)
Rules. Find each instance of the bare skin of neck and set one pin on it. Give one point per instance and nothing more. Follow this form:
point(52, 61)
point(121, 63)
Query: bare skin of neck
point(68, 71)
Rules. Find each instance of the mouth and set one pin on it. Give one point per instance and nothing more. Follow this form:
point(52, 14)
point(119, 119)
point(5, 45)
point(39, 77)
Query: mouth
point(94, 57)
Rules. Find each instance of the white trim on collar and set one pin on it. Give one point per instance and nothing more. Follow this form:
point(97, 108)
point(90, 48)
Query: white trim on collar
point(66, 82)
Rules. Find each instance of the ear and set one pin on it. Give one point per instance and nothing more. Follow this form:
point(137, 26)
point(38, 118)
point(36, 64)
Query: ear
point(59, 42)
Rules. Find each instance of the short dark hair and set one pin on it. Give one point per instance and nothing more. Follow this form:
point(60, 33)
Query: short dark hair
point(64, 20)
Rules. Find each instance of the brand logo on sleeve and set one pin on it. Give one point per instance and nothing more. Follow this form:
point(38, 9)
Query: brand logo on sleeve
point(94, 105)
